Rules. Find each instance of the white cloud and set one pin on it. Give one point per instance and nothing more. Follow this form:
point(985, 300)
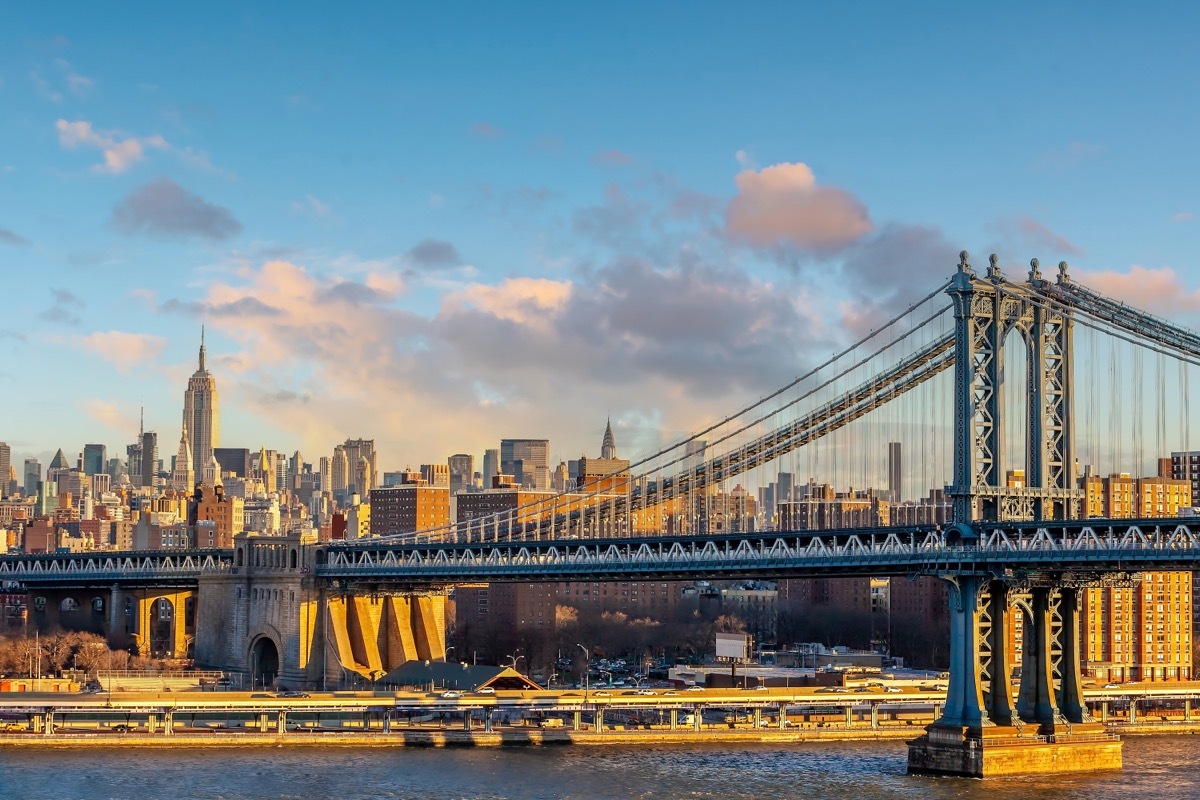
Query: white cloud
point(119, 153)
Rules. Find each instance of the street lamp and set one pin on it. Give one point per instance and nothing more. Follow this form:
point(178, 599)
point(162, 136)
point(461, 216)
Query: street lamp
point(515, 658)
point(587, 657)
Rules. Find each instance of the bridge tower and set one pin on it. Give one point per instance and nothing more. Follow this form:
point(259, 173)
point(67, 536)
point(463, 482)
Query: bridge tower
point(981, 730)
point(986, 311)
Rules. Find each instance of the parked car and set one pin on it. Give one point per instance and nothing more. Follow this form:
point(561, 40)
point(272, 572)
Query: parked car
point(646, 693)
point(485, 690)
point(695, 687)
point(602, 693)
point(292, 694)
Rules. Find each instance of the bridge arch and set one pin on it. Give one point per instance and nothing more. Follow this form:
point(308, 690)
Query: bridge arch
point(264, 657)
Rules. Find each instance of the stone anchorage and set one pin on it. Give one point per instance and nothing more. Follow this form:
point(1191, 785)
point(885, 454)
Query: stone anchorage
point(998, 751)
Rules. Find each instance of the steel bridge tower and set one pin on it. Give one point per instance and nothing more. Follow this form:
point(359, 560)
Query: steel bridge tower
point(982, 730)
point(986, 311)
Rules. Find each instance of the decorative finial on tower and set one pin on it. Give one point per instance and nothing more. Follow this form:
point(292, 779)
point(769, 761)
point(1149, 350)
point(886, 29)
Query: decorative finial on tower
point(1063, 277)
point(994, 268)
point(202, 348)
point(1034, 273)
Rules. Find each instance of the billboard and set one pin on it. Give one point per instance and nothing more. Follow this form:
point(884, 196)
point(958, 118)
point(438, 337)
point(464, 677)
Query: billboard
point(733, 645)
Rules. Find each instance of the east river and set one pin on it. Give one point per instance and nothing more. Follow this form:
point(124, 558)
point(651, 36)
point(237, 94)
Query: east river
point(1159, 767)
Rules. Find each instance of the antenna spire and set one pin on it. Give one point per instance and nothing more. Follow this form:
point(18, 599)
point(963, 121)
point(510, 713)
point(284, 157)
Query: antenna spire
point(202, 348)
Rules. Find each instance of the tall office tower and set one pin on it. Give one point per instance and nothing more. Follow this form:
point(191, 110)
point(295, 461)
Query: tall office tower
point(202, 413)
point(58, 465)
point(295, 470)
point(149, 457)
point(491, 467)
point(323, 466)
point(182, 477)
point(608, 447)
point(33, 474)
point(462, 471)
point(528, 460)
point(895, 473)
point(232, 459)
point(95, 457)
point(357, 449)
point(133, 454)
point(5, 468)
point(694, 453)
point(115, 467)
point(436, 475)
point(339, 476)
point(364, 476)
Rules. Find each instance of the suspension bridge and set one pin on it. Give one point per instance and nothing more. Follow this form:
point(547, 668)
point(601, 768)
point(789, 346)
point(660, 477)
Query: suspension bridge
point(977, 380)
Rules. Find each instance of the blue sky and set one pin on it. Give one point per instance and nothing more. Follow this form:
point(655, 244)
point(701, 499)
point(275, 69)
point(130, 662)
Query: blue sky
point(439, 226)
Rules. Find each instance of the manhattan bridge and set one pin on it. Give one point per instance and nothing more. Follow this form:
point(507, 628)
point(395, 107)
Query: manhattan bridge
point(977, 380)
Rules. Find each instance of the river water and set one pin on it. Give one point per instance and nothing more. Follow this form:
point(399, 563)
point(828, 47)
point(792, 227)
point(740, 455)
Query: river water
point(1162, 768)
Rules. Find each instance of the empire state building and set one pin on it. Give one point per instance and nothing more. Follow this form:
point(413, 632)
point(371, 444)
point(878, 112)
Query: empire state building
point(202, 414)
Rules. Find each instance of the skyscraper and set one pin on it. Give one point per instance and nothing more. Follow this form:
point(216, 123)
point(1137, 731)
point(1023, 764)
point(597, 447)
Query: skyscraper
point(608, 448)
point(202, 414)
point(149, 441)
point(33, 474)
point(895, 473)
point(528, 460)
point(95, 457)
point(491, 466)
point(5, 467)
point(462, 471)
point(183, 477)
point(360, 481)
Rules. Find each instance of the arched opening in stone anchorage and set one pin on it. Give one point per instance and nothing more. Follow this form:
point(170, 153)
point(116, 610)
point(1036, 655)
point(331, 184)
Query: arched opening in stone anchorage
point(264, 662)
point(162, 628)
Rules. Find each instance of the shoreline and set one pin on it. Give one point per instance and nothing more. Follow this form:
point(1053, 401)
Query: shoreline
point(530, 738)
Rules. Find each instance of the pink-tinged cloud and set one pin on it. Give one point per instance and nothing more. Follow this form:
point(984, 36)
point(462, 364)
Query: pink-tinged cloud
point(1038, 235)
point(1159, 291)
point(119, 153)
point(321, 358)
point(526, 301)
point(125, 351)
point(783, 205)
point(110, 415)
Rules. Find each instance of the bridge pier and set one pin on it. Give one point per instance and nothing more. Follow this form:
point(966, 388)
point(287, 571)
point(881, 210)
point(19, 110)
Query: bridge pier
point(977, 733)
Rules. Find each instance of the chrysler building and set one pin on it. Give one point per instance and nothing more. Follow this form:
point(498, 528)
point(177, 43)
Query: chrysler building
point(202, 414)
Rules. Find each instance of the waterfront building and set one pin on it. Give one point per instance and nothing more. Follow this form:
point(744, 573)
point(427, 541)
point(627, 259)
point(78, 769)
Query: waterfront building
point(408, 507)
point(1143, 631)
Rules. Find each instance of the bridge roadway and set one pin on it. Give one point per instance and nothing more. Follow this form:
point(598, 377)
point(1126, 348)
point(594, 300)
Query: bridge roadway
point(1006, 549)
point(1011, 550)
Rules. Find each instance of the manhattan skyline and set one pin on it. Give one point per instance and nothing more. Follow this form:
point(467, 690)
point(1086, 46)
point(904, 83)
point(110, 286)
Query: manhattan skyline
point(441, 229)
